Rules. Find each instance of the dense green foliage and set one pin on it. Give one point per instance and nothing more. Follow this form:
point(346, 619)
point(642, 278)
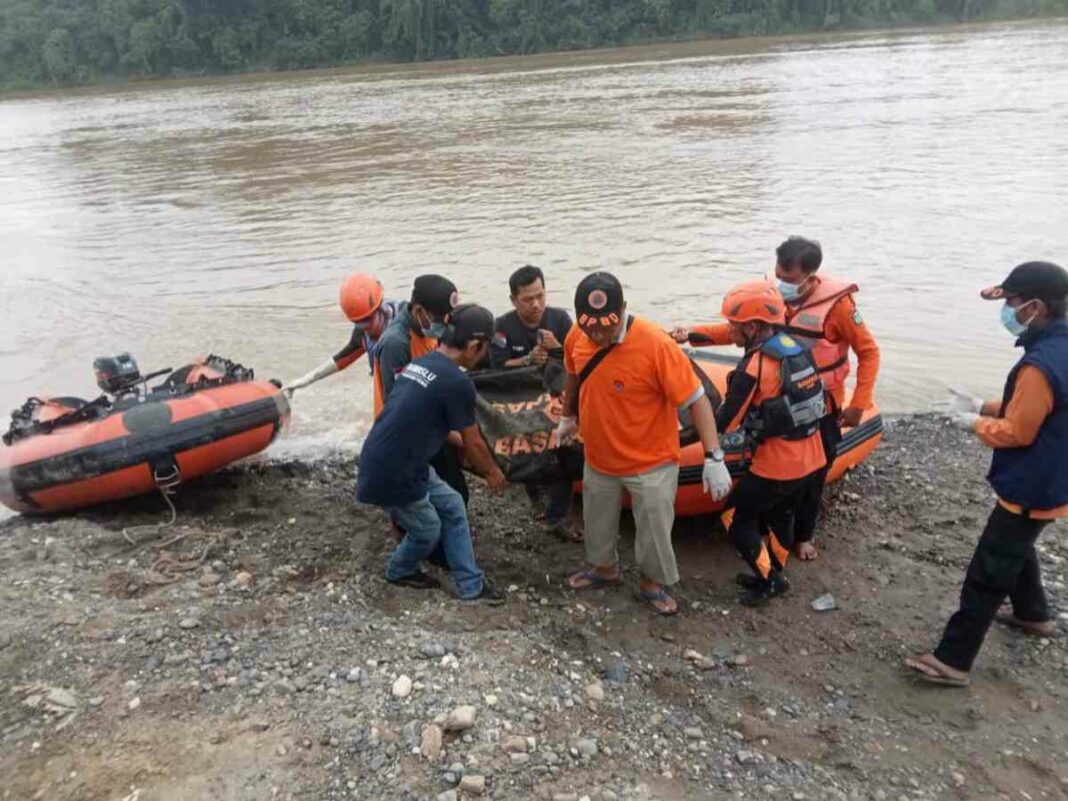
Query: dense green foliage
point(76, 41)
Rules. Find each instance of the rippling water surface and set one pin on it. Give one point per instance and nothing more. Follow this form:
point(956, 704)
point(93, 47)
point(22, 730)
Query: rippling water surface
point(175, 219)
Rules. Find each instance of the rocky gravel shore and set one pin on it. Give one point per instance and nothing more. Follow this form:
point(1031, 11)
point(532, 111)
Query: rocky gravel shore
point(252, 650)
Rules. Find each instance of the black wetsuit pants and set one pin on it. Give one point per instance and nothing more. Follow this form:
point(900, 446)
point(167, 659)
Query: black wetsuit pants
point(1004, 565)
point(446, 464)
point(808, 506)
point(761, 503)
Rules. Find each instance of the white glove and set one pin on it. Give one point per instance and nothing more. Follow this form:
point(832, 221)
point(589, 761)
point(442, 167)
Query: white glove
point(566, 430)
point(964, 420)
point(959, 401)
point(322, 371)
point(716, 478)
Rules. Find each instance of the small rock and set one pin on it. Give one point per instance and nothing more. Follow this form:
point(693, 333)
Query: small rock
point(135, 704)
point(491, 700)
point(430, 742)
point(747, 757)
point(519, 759)
point(586, 747)
point(958, 779)
point(433, 650)
point(243, 578)
point(402, 687)
point(473, 784)
point(565, 796)
point(693, 733)
point(617, 673)
point(595, 692)
point(699, 660)
point(461, 718)
point(355, 675)
point(96, 700)
point(738, 660)
point(448, 795)
point(514, 744)
point(188, 623)
point(209, 579)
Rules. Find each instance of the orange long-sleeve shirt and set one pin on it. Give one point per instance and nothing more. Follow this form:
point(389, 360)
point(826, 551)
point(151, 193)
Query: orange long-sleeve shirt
point(843, 324)
point(1031, 403)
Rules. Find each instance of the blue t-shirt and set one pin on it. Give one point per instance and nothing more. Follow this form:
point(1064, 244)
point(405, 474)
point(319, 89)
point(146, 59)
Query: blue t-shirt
point(430, 398)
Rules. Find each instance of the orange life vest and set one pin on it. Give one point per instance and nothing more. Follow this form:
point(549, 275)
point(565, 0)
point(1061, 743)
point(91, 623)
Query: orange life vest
point(807, 320)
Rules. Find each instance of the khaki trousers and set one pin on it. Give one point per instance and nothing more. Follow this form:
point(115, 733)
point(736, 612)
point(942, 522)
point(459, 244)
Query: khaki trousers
point(652, 496)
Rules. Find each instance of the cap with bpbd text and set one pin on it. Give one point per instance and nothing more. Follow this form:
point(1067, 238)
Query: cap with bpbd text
point(1032, 280)
point(435, 293)
point(599, 300)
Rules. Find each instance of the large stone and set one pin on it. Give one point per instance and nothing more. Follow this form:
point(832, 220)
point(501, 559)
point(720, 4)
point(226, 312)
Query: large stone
point(473, 784)
point(595, 692)
point(586, 747)
point(461, 718)
point(430, 743)
point(617, 672)
point(402, 687)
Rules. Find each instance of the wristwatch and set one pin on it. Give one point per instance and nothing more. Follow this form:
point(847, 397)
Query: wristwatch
point(528, 360)
point(715, 456)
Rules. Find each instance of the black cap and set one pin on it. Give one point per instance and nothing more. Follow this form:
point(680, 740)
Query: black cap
point(467, 322)
point(1032, 280)
point(435, 293)
point(598, 300)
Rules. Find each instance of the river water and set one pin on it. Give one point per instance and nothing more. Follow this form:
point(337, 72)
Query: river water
point(174, 219)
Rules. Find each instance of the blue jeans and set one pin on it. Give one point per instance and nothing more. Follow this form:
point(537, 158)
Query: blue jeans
point(436, 523)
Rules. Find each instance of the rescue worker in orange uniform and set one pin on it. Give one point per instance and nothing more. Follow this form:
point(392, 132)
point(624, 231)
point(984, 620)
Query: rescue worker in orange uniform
point(821, 314)
point(362, 301)
point(1028, 431)
point(776, 396)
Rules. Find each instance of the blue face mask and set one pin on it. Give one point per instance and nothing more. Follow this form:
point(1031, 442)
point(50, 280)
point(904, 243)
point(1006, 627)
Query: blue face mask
point(791, 293)
point(435, 330)
point(1012, 325)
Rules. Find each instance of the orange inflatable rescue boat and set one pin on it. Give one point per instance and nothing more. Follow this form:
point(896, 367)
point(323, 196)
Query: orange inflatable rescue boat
point(67, 453)
point(856, 445)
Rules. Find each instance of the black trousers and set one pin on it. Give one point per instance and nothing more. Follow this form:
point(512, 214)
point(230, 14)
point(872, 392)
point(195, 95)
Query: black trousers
point(761, 503)
point(446, 464)
point(808, 507)
point(1004, 565)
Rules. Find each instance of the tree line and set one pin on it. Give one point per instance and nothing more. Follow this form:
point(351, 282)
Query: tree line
point(81, 41)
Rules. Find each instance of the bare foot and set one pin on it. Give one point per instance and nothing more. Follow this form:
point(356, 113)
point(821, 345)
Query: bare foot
point(1036, 628)
point(933, 670)
point(806, 551)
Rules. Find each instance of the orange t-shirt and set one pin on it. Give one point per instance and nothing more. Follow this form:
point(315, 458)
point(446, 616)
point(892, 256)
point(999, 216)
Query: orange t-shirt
point(777, 458)
point(628, 407)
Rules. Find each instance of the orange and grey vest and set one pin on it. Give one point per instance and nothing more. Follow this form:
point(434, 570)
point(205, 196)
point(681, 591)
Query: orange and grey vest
point(807, 322)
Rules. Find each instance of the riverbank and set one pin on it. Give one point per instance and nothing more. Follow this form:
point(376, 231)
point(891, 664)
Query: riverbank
point(252, 650)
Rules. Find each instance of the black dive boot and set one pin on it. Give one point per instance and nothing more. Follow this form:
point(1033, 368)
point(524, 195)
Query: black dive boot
point(776, 584)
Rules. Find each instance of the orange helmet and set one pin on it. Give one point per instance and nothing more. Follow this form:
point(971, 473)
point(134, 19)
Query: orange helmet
point(755, 301)
point(361, 295)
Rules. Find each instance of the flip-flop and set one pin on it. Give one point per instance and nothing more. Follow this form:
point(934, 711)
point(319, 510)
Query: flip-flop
point(592, 579)
point(932, 675)
point(651, 598)
point(1013, 622)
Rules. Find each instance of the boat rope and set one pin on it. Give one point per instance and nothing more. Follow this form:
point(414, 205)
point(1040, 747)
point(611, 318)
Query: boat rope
point(129, 532)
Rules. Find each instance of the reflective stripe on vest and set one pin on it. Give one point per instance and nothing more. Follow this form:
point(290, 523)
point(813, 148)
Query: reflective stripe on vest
point(808, 321)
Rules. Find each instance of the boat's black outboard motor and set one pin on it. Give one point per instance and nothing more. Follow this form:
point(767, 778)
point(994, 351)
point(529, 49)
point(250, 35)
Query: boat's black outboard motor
point(116, 374)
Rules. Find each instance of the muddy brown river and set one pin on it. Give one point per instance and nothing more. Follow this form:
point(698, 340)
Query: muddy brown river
point(173, 219)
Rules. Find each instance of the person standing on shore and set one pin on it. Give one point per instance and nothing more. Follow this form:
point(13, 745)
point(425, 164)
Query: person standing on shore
point(822, 314)
point(430, 398)
point(529, 335)
point(775, 395)
point(362, 302)
point(1028, 430)
point(625, 382)
point(412, 333)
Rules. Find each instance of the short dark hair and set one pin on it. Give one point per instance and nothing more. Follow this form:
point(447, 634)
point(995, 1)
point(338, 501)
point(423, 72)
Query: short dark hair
point(1056, 309)
point(800, 252)
point(525, 276)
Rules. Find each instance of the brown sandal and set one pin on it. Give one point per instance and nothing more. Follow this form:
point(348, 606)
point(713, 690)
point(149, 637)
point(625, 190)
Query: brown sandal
point(933, 671)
